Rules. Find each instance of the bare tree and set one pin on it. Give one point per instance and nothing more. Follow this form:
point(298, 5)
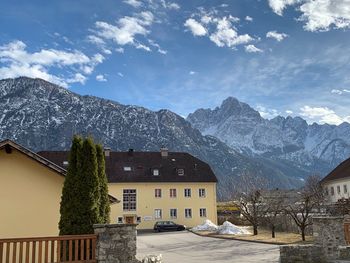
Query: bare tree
point(273, 208)
point(307, 202)
point(248, 198)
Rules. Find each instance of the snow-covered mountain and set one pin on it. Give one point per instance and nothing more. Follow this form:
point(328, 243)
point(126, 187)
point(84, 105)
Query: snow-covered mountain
point(313, 148)
point(44, 116)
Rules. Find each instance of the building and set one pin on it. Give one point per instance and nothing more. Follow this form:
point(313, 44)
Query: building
point(30, 193)
point(156, 186)
point(337, 182)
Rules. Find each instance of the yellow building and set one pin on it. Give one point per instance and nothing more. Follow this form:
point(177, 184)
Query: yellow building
point(156, 186)
point(30, 193)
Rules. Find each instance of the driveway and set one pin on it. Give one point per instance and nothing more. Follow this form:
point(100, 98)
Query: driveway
point(186, 247)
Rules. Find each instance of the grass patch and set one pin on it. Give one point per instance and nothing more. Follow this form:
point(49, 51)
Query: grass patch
point(264, 236)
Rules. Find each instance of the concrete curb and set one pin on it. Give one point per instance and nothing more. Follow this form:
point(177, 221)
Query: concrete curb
point(240, 239)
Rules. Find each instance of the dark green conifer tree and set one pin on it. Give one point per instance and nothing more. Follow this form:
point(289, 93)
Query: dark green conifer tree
point(104, 205)
point(69, 202)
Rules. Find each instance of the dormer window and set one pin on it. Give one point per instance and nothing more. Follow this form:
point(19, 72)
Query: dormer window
point(65, 163)
point(127, 168)
point(155, 172)
point(181, 172)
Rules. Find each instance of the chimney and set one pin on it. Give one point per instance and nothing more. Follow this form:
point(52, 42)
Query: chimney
point(131, 152)
point(164, 152)
point(107, 152)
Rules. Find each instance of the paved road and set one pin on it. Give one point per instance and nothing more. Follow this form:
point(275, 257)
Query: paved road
point(186, 247)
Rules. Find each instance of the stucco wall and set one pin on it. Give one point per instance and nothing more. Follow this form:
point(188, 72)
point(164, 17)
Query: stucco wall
point(30, 195)
point(335, 183)
point(147, 202)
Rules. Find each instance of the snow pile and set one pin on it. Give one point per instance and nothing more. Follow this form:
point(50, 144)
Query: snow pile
point(228, 228)
point(206, 226)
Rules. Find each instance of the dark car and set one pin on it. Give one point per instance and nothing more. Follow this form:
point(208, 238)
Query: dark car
point(168, 226)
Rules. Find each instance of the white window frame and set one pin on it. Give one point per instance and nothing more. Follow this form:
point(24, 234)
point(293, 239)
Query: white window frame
point(345, 189)
point(180, 172)
point(187, 192)
point(155, 172)
point(202, 192)
point(202, 212)
point(332, 190)
point(188, 213)
point(157, 213)
point(129, 199)
point(127, 168)
point(120, 220)
point(173, 215)
point(157, 193)
point(338, 190)
point(171, 193)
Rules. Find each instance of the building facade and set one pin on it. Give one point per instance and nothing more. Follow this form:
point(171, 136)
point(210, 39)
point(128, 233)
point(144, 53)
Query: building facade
point(156, 186)
point(337, 183)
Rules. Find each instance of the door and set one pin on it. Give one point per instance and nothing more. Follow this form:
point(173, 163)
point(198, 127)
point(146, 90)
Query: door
point(130, 219)
point(347, 232)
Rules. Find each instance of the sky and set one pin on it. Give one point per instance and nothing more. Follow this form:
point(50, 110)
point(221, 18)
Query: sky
point(282, 57)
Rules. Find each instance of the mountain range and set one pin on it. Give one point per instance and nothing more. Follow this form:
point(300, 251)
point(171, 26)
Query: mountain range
point(233, 138)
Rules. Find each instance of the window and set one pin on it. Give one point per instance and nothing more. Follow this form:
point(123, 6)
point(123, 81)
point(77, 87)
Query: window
point(181, 172)
point(188, 212)
point(127, 168)
point(120, 220)
point(129, 199)
point(173, 213)
point(326, 191)
point(65, 163)
point(203, 212)
point(345, 188)
point(332, 190)
point(338, 189)
point(158, 193)
point(155, 172)
point(158, 213)
point(138, 220)
point(201, 192)
point(187, 192)
point(173, 193)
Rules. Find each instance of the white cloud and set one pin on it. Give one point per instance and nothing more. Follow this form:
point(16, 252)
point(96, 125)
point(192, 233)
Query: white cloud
point(127, 28)
point(119, 50)
point(120, 74)
point(159, 49)
point(248, 18)
point(219, 29)
point(192, 72)
point(196, 28)
point(226, 34)
point(322, 15)
point(339, 92)
point(322, 115)
point(278, 36)
point(144, 47)
point(16, 61)
point(252, 49)
point(101, 78)
point(267, 113)
point(96, 40)
point(134, 3)
point(169, 5)
point(279, 5)
point(319, 15)
point(289, 112)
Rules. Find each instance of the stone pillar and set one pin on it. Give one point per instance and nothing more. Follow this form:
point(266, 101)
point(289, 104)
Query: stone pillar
point(329, 234)
point(116, 243)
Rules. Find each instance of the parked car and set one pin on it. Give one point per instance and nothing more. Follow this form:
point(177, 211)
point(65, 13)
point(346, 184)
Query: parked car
point(168, 226)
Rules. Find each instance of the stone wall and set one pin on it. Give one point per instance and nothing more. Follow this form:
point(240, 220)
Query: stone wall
point(301, 254)
point(116, 243)
point(329, 234)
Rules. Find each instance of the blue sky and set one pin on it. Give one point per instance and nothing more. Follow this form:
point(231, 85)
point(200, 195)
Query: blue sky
point(287, 57)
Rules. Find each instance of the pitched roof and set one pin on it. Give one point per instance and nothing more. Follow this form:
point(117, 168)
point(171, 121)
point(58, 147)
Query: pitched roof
point(142, 165)
point(9, 144)
point(340, 172)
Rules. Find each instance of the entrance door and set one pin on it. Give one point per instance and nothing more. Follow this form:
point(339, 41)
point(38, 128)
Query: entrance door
point(130, 219)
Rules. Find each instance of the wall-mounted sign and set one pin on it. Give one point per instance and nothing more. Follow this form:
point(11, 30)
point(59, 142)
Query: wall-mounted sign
point(147, 218)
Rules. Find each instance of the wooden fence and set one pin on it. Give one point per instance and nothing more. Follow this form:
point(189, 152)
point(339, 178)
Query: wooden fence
point(75, 248)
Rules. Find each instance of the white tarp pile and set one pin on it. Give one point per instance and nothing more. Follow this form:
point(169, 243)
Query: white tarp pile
point(206, 226)
point(228, 228)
